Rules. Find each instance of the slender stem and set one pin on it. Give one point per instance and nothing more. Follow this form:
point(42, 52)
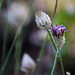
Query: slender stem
point(1, 5)
point(51, 20)
point(30, 4)
point(58, 54)
point(54, 64)
point(60, 58)
point(5, 37)
point(40, 55)
point(44, 44)
point(55, 49)
point(11, 48)
point(52, 39)
point(18, 48)
point(9, 53)
point(54, 10)
point(18, 54)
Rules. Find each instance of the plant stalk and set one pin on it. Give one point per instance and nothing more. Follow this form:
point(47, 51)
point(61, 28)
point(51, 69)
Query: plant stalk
point(40, 55)
point(54, 64)
point(54, 10)
point(51, 37)
point(18, 54)
point(11, 48)
point(5, 35)
point(30, 5)
point(9, 53)
point(60, 58)
point(1, 5)
point(55, 56)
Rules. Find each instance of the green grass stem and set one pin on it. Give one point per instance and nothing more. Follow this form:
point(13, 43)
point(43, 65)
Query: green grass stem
point(61, 62)
point(40, 55)
point(18, 47)
point(5, 37)
point(54, 64)
point(9, 53)
point(11, 48)
point(18, 54)
point(54, 10)
point(30, 5)
point(58, 54)
point(1, 5)
point(49, 33)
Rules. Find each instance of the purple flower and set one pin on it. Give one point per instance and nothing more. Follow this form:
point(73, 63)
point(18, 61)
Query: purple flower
point(58, 35)
point(58, 31)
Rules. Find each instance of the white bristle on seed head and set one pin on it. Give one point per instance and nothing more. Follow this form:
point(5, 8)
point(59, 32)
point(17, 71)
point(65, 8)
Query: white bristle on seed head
point(43, 20)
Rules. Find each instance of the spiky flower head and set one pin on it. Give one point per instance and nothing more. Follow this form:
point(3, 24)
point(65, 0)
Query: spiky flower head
point(43, 20)
point(58, 33)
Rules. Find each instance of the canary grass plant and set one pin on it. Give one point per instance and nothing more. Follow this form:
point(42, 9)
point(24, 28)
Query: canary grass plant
point(56, 33)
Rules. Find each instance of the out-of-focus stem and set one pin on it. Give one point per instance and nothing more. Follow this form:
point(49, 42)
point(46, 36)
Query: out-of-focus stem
point(9, 53)
point(54, 10)
point(40, 55)
point(11, 48)
point(18, 54)
point(30, 5)
point(5, 36)
point(1, 5)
